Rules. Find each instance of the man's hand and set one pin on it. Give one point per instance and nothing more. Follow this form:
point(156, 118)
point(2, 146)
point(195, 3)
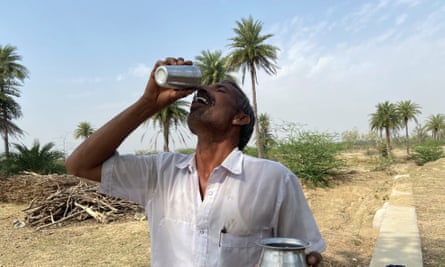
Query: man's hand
point(313, 259)
point(157, 97)
point(86, 161)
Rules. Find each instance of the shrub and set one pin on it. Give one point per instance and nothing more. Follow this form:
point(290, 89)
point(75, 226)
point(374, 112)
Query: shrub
point(383, 150)
point(426, 152)
point(42, 160)
point(186, 150)
point(310, 155)
point(251, 151)
point(383, 163)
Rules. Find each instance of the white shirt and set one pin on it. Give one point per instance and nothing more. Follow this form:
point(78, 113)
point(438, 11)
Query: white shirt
point(246, 199)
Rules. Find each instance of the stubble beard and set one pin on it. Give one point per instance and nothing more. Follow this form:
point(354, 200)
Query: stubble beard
point(203, 121)
point(197, 120)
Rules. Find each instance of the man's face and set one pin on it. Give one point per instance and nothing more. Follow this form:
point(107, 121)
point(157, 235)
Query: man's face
point(213, 108)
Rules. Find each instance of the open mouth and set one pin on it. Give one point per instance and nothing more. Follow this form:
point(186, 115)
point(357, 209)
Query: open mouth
point(203, 97)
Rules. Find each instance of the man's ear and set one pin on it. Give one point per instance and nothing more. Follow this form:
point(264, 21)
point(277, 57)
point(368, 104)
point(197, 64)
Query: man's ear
point(241, 119)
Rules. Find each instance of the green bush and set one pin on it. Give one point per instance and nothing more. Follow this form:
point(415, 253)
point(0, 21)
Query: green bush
point(41, 160)
point(383, 149)
point(382, 163)
point(426, 152)
point(310, 155)
point(187, 151)
point(251, 151)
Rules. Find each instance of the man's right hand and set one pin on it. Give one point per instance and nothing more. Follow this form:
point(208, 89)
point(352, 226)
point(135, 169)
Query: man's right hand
point(87, 159)
point(313, 259)
point(158, 97)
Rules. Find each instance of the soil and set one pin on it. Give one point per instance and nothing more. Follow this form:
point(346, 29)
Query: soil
point(344, 212)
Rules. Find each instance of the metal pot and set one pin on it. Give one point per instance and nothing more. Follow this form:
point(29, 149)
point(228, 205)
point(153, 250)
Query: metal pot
point(283, 252)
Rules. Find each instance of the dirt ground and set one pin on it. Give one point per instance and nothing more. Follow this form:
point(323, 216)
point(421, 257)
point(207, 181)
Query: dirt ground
point(429, 196)
point(344, 212)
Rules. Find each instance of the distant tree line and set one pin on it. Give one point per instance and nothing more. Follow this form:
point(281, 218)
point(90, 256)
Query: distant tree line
point(12, 76)
point(311, 155)
point(390, 118)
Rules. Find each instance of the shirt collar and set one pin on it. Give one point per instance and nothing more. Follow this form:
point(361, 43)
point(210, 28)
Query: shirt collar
point(232, 163)
point(187, 162)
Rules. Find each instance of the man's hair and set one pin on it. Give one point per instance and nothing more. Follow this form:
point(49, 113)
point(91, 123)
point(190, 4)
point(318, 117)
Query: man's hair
point(244, 105)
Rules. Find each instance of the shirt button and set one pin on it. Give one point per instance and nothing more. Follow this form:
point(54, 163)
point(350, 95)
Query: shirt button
point(210, 193)
point(201, 232)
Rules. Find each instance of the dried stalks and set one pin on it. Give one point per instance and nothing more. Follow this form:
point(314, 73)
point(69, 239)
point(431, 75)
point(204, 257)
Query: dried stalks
point(61, 200)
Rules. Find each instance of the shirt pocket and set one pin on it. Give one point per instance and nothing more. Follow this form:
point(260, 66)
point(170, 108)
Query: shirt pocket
point(240, 250)
point(232, 240)
point(172, 243)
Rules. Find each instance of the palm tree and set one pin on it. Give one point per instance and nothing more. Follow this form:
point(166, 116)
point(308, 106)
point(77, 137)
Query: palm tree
point(83, 130)
point(9, 110)
point(250, 52)
point(39, 159)
point(213, 67)
point(420, 132)
point(435, 124)
point(12, 74)
point(386, 117)
point(172, 115)
point(408, 111)
point(266, 137)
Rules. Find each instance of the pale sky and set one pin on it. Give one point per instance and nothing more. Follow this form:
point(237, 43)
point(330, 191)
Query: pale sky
point(88, 60)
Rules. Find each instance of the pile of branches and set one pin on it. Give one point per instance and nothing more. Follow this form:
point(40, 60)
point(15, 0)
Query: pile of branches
point(77, 203)
point(29, 186)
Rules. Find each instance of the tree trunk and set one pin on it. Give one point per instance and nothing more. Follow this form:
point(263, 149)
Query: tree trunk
point(436, 134)
point(388, 140)
point(255, 112)
point(407, 137)
point(166, 133)
point(6, 142)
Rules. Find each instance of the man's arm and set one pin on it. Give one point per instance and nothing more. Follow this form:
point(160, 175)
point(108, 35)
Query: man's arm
point(313, 258)
point(87, 159)
point(296, 220)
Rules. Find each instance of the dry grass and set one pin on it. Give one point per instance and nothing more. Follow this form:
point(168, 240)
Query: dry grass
point(88, 244)
point(429, 196)
point(344, 212)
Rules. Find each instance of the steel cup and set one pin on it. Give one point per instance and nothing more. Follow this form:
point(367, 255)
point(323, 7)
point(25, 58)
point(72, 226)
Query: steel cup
point(178, 76)
point(283, 252)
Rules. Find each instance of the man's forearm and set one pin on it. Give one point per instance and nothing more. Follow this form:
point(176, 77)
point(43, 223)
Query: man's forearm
point(86, 161)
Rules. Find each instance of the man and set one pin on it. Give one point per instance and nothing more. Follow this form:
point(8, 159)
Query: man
point(210, 208)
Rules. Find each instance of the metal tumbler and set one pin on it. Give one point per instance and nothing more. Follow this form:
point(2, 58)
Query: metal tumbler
point(283, 252)
point(178, 76)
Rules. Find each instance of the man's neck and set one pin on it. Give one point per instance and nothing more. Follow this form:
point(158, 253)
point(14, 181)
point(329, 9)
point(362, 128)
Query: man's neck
point(208, 157)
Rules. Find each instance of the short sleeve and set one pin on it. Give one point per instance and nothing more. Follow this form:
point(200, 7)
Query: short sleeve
point(129, 177)
point(296, 219)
